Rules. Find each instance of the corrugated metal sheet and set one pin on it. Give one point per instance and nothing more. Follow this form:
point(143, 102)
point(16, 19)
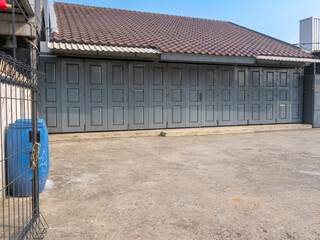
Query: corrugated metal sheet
point(98, 49)
point(316, 34)
point(288, 59)
point(310, 34)
point(306, 34)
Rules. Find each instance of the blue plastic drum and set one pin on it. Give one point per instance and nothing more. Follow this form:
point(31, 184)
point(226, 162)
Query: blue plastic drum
point(18, 152)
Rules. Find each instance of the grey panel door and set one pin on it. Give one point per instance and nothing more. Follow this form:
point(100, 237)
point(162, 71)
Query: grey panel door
point(193, 97)
point(96, 95)
point(256, 96)
point(50, 94)
point(209, 96)
point(226, 81)
point(177, 95)
point(157, 96)
point(270, 97)
point(138, 96)
point(241, 99)
point(73, 109)
point(283, 94)
point(296, 96)
point(117, 95)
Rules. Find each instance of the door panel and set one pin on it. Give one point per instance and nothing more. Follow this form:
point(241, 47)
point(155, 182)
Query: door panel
point(296, 96)
point(117, 95)
point(73, 109)
point(193, 101)
point(138, 97)
point(241, 100)
point(283, 103)
point(50, 94)
point(209, 96)
point(256, 96)
point(270, 97)
point(177, 95)
point(226, 81)
point(157, 96)
point(96, 95)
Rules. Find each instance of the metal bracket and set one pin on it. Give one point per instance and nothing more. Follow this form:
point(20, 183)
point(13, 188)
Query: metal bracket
point(38, 137)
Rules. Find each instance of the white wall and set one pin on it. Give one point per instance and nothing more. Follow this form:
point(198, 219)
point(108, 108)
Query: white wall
point(15, 104)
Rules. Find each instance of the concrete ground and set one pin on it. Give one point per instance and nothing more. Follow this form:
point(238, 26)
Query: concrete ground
point(237, 186)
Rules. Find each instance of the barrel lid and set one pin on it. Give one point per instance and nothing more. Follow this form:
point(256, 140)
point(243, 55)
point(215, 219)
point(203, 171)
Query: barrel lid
point(23, 123)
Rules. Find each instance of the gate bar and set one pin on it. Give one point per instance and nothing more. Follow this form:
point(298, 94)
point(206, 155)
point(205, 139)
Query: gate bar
point(35, 171)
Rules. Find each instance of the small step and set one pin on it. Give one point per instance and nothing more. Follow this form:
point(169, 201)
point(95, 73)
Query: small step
point(102, 135)
point(175, 132)
point(231, 130)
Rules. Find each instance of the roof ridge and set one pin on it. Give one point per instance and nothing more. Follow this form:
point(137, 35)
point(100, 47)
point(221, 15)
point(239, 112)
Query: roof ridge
point(134, 11)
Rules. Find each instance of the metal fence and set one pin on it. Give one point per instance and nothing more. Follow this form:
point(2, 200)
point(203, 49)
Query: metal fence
point(312, 69)
point(318, 68)
point(19, 176)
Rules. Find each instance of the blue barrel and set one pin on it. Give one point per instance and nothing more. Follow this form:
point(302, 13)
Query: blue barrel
point(18, 152)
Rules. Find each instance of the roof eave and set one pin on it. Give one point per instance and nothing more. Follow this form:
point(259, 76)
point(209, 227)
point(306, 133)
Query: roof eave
point(92, 50)
point(280, 60)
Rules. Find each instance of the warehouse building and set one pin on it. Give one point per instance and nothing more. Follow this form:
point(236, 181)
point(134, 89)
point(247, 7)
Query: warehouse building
point(110, 69)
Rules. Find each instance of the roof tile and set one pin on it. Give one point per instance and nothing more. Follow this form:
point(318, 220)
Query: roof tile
point(167, 33)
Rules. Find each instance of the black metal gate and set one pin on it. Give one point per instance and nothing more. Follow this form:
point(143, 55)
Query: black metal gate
point(20, 215)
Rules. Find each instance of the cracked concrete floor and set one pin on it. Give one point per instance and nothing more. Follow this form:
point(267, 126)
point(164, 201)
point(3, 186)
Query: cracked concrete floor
point(238, 186)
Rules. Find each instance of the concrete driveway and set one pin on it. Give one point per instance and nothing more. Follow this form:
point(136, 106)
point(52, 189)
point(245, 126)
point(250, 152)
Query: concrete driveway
point(237, 186)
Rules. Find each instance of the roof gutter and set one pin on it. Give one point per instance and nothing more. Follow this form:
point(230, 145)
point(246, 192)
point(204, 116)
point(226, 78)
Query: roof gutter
point(205, 58)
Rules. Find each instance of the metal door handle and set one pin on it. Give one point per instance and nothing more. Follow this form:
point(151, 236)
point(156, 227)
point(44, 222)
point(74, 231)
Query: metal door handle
point(200, 96)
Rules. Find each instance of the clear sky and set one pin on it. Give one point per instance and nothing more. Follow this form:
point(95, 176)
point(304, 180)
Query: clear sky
point(276, 18)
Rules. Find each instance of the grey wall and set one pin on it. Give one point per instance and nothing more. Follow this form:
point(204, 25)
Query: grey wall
point(311, 107)
point(316, 115)
point(308, 99)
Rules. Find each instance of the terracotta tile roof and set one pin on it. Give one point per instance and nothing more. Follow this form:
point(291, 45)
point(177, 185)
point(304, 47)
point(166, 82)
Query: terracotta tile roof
point(167, 33)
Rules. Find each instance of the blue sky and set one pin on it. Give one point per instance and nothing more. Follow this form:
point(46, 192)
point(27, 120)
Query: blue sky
point(276, 18)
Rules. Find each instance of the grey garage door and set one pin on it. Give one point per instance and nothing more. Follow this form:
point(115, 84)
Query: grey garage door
point(176, 95)
point(117, 96)
point(158, 114)
point(50, 98)
point(100, 95)
point(241, 96)
point(208, 96)
point(138, 97)
point(193, 97)
point(225, 96)
point(96, 95)
point(267, 96)
point(73, 102)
